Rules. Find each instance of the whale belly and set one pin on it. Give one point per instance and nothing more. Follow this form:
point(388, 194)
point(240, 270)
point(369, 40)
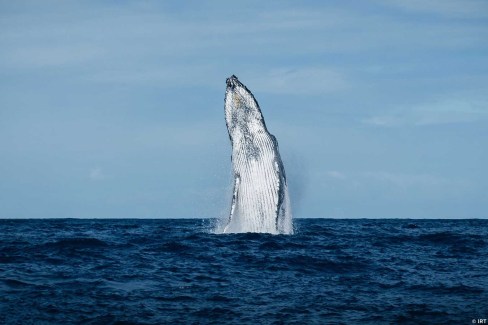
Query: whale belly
point(256, 202)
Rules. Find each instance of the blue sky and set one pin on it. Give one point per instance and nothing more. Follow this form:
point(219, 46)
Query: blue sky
point(115, 108)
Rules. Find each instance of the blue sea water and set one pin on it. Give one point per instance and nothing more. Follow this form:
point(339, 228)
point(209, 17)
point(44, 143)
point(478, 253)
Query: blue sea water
point(363, 271)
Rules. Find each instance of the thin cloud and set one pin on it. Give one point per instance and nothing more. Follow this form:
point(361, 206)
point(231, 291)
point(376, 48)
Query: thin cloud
point(141, 38)
point(52, 56)
point(175, 75)
point(96, 174)
point(335, 174)
point(440, 112)
point(447, 8)
point(402, 180)
point(304, 81)
point(387, 180)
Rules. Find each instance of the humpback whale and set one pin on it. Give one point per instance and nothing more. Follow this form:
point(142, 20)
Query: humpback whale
point(260, 200)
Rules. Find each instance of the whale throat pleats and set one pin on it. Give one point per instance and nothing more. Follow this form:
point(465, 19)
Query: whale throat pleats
point(260, 200)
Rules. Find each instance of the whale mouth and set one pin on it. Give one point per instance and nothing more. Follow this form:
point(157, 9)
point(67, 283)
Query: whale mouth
point(232, 82)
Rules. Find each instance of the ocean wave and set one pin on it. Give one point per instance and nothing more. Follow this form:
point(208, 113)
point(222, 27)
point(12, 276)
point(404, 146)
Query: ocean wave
point(175, 271)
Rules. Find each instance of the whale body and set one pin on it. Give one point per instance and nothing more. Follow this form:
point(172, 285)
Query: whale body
point(260, 201)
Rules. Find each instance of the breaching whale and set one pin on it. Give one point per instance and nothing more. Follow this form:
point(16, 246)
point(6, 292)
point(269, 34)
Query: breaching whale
point(260, 200)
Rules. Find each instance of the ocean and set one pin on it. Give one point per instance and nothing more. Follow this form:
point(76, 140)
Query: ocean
point(176, 271)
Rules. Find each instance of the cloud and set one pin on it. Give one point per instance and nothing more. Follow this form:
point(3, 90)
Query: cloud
point(132, 37)
point(386, 121)
point(96, 174)
point(297, 81)
point(426, 183)
point(439, 112)
point(447, 8)
point(335, 174)
point(303, 81)
point(412, 184)
point(402, 180)
point(184, 137)
point(175, 75)
point(52, 56)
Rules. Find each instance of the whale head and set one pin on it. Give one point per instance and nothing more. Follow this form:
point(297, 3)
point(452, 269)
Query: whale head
point(242, 113)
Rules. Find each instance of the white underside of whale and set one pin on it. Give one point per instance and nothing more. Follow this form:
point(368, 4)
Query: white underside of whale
point(255, 199)
point(260, 201)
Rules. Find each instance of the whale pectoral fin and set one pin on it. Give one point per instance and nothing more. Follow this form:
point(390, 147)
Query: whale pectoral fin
point(237, 180)
point(278, 167)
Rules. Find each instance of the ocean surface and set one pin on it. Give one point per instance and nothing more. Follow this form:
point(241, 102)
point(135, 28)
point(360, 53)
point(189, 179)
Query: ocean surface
point(363, 271)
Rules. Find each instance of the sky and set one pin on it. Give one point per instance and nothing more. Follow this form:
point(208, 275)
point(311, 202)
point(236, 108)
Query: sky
point(115, 109)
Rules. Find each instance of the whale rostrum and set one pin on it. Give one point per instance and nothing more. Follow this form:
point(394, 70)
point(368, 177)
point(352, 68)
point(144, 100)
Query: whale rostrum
point(260, 200)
